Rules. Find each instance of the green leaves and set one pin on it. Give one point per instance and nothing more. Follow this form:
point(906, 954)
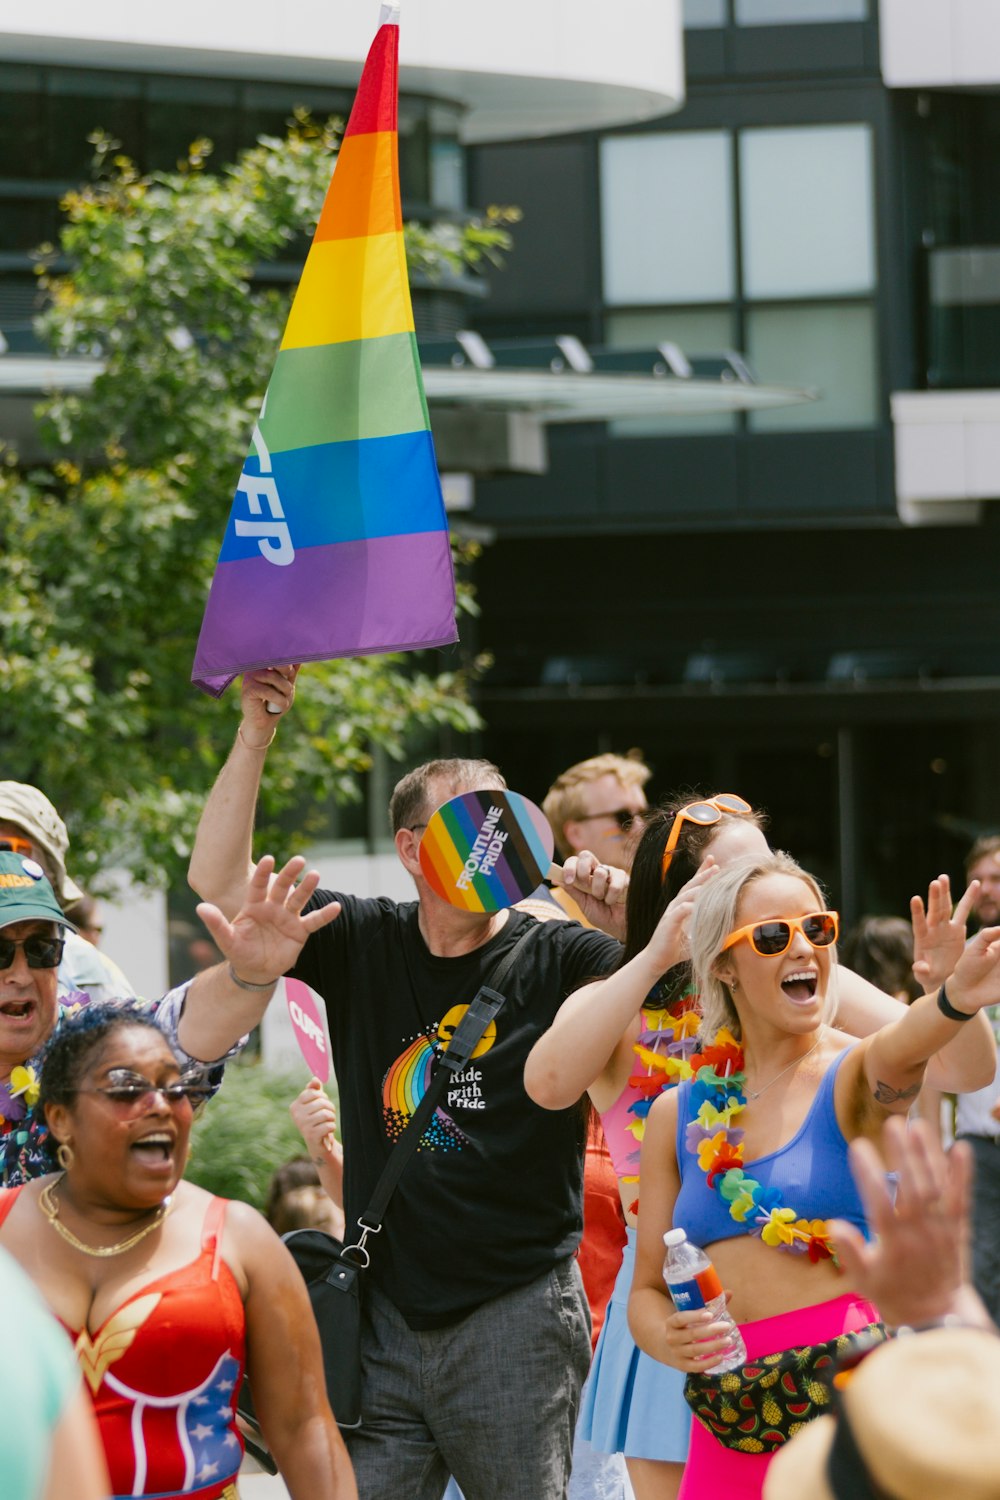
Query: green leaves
point(106, 558)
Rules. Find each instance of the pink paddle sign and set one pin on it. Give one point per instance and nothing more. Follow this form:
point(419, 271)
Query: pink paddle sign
point(307, 1023)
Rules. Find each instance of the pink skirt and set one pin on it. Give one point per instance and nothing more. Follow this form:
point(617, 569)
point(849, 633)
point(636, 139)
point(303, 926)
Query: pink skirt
point(712, 1469)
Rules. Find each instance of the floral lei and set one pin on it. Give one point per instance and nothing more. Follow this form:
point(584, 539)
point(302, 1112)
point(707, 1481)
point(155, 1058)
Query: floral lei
point(717, 1095)
point(667, 1042)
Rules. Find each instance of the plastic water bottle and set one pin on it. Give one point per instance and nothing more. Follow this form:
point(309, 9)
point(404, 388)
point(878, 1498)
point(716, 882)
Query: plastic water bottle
point(693, 1283)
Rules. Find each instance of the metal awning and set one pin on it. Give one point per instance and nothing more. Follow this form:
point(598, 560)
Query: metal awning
point(555, 380)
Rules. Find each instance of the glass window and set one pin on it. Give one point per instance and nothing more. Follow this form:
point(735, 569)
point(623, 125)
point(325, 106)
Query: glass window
point(777, 12)
point(697, 331)
point(831, 349)
point(22, 123)
point(807, 210)
point(701, 14)
point(667, 217)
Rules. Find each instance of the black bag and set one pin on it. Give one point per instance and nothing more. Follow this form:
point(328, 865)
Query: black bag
point(333, 1277)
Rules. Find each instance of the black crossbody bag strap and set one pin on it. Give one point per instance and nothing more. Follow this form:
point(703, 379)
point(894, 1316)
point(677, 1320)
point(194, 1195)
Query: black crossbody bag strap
point(466, 1038)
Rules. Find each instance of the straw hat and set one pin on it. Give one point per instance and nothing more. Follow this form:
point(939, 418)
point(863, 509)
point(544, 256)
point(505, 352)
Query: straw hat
point(924, 1413)
point(30, 810)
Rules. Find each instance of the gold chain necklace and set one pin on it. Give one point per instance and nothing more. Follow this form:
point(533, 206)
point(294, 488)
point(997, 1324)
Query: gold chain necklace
point(791, 1065)
point(50, 1208)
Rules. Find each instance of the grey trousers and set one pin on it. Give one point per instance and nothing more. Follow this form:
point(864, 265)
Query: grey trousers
point(491, 1400)
point(986, 1221)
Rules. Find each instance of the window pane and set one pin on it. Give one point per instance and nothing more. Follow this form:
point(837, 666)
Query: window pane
point(703, 13)
point(829, 349)
point(697, 331)
point(774, 12)
point(807, 211)
point(667, 217)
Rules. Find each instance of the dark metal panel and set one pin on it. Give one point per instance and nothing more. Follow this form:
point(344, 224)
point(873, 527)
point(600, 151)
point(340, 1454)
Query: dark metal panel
point(555, 263)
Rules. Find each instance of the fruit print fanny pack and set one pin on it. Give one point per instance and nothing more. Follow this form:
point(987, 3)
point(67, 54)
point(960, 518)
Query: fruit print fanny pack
point(758, 1407)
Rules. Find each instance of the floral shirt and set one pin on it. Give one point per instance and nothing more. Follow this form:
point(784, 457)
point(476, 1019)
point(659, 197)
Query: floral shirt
point(23, 1133)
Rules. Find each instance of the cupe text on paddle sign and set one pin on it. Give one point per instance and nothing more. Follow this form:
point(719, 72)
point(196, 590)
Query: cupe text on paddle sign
point(274, 541)
point(486, 849)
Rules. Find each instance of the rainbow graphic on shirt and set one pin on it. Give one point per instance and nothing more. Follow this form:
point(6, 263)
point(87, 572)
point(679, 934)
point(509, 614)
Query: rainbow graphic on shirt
point(337, 543)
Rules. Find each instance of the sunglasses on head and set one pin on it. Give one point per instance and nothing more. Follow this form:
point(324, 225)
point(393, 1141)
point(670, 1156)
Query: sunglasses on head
point(132, 1094)
point(39, 952)
point(770, 939)
point(623, 816)
point(15, 845)
point(703, 813)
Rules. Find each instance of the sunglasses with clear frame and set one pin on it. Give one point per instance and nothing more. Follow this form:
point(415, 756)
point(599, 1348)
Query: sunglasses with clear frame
point(132, 1093)
point(771, 939)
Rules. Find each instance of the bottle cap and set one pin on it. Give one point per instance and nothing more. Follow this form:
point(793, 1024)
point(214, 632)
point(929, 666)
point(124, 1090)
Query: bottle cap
point(674, 1237)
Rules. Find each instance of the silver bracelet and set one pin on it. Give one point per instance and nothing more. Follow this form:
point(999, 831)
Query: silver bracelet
point(244, 984)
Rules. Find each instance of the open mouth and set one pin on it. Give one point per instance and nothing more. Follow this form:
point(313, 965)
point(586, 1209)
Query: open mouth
point(17, 1010)
point(800, 986)
point(154, 1150)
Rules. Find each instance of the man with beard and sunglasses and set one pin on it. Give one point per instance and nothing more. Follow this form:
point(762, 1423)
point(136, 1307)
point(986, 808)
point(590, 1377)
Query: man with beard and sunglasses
point(206, 1019)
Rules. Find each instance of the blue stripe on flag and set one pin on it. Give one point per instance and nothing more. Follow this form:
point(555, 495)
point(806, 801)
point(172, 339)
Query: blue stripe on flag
point(338, 492)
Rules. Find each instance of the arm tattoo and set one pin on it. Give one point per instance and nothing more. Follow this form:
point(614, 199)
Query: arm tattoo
point(886, 1094)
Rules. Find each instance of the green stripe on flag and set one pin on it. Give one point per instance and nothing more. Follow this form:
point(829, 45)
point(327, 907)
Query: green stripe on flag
point(338, 393)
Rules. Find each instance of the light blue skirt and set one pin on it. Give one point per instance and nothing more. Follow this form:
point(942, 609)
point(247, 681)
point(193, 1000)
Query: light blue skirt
point(631, 1403)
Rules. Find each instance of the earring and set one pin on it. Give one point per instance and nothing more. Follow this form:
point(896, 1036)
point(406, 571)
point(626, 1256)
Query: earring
point(734, 984)
point(65, 1155)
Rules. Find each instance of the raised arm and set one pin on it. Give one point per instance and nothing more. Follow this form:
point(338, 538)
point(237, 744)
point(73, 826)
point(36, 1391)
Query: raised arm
point(285, 1367)
point(966, 1062)
point(222, 859)
point(588, 1046)
point(262, 942)
point(315, 1118)
point(890, 1066)
point(914, 1269)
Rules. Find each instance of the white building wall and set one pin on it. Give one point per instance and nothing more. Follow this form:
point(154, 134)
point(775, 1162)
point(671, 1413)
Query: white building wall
point(939, 43)
point(521, 67)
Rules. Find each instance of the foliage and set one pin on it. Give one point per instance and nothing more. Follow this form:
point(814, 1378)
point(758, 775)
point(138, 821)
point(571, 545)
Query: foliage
point(245, 1133)
point(105, 559)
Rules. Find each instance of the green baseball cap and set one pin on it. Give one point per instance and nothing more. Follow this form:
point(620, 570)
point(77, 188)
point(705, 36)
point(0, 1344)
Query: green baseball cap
point(25, 894)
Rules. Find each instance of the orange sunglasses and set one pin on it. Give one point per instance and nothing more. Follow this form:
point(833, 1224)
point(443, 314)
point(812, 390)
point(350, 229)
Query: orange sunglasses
point(18, 845)
point(771, 939)
point(705, 814)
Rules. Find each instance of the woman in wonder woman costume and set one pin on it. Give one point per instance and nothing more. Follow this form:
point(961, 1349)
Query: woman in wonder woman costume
point(749, 1155)
point(625, 1041)
point(167, 1292)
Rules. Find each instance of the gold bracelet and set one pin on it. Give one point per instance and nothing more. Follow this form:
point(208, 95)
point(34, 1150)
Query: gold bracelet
point(239, 736)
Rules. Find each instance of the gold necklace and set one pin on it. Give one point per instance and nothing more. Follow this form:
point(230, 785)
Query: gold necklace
point(791, 1065)
point(50, 1208)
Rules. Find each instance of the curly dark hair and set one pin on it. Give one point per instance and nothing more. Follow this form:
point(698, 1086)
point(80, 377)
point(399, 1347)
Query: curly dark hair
point(74, 1044)
point(649, 894)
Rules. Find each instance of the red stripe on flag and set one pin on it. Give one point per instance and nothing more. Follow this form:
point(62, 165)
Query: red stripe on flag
point(375, 104)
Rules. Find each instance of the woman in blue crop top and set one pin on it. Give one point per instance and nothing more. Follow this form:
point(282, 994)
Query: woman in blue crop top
point(617, 1040)
point(750, 1156)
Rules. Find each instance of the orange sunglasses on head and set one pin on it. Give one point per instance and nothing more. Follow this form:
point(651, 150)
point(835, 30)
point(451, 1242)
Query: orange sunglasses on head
point(18, 845)
point(771, 939)
point(704, 813)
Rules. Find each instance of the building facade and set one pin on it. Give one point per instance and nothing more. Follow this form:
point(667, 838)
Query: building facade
point(798, 604)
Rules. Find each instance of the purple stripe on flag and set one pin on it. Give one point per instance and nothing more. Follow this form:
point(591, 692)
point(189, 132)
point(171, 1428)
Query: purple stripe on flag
point(361, 598)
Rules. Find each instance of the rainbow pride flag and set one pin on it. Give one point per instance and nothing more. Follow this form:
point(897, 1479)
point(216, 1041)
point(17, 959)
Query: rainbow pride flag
point(337, 542)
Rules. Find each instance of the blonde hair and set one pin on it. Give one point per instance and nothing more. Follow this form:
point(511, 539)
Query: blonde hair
point(715, 917)
point(563, 801)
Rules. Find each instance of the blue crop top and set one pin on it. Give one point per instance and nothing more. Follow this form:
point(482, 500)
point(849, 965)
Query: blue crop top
point(811, 1172)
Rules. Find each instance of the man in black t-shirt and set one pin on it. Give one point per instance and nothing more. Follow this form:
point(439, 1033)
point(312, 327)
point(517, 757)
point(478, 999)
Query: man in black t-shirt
point(475, 1340)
